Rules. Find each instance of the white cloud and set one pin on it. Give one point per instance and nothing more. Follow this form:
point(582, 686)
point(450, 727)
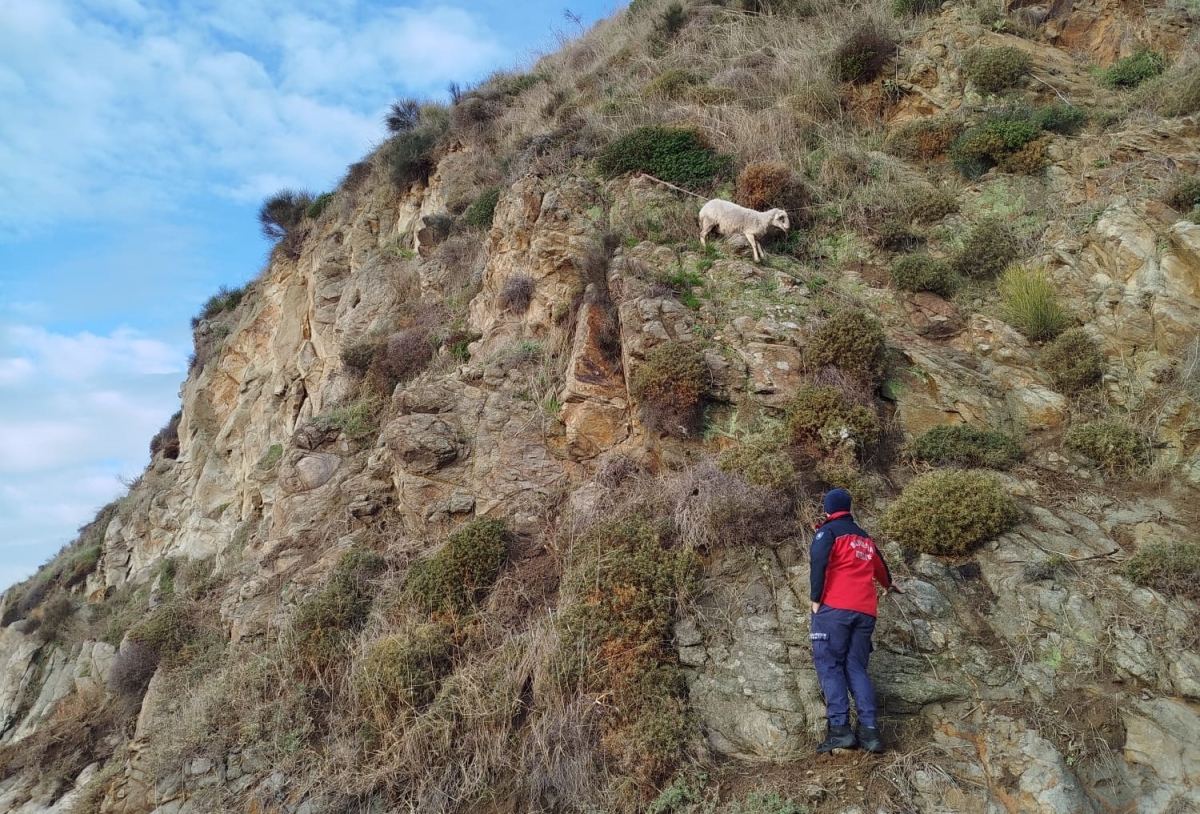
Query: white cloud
point(125, 108)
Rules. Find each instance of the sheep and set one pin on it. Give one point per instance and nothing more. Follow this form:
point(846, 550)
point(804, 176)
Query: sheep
point(729, 219)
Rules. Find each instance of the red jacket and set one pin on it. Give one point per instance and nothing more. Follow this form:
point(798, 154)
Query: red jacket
point(845, 565)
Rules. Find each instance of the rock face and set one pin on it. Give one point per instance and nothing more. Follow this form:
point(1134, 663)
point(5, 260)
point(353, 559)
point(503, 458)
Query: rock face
point(1027, 676)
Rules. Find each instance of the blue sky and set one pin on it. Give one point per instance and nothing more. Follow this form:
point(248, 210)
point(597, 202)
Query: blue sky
point(138, 139)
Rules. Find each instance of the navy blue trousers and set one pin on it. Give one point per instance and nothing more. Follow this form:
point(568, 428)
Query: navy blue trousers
point(841, 641)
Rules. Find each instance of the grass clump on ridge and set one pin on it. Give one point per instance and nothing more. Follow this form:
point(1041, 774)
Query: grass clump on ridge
point(1134, 69)
point(458, 576)
point(965, 446)
point(1169, 568)
point(819, 417)
point(679, 156)
point(1111, 444)
point(1073, 361)
point(670, 387)
point(950, 511)
point(851, 340)
point(1029, 302)
point(1184, 194)
point(995, 69)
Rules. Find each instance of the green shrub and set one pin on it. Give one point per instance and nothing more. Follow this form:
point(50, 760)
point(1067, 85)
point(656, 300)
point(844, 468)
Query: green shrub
point(670, 387)
point(904, 8)
point(1029, 302)
point(323, 622)
point(673, 84)
point(861, 56)
point(1059, 118)
point(836, 472)
point(853, 341)
point(920, 272)
point(994, 141)
point(1073, 361)
point(1169, 568)
point(763, 460)
point(401, 673)
point(1135, 69)
point(671, 22)
point(820, 417)
point(929, 205)
point(359, 355)
point(482, 211)
point(1111, 444)
point(356, 420)
point(402, 116)
point(987, 250)
point(676, 155)
point(950, 511)
point(226, 299)
point(924, 138)
point(897, 236)
point(995, 69)
point(165, 630)
point(315, 209)
point(462, 571)
point(166, 440)
point(283, 212)
point(964, 446)
point(1184, 194)
point(409, 155)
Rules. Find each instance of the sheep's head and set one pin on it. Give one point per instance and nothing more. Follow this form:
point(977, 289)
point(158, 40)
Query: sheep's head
point(779, 219)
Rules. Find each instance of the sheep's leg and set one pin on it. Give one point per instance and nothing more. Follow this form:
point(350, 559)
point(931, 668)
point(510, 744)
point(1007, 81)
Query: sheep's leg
point(754, 247)
point(704, 232)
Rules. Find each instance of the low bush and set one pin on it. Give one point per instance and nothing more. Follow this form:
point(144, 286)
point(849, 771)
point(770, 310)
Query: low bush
point(1029, 302)
point(989, 247)
point(1073, 361)
point(1135, 69)
point(324, 621)
point(166, 440)
point(670, 387)
point(1111, 444)
point(841, 472)
point(409, 155)
point(851, 340)
point(1059, 118)
point(516, 293)
point(897, 236)
point(920, 272)
point(226, 299)
point(820, 418)
point(165, 630)
point(132, 668)
point(995, 69)
point(773, 185)
point(962, 445)
point(480, 213)
point(357, 420)
point(673, 84)
point(58, 614)
point(929, 204)
point(763, 460)
point(861, 56)
point(924, 139)
point(1001, 139)
point(903, 8)
point(283, 212)
point(401, 673)
point(402, 116)
point(1169, 568)
point(462, 571)
point(1180, 94)
point(712, 504)
point(1184, 194)
point(679, 156)
point(950, 511)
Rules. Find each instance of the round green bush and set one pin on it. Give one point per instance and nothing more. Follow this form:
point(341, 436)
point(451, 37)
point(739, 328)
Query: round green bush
point(458, 576)
point(963, 445)
point(987, 250)
point(861, 56)
point(851, 340)
point(1073, 361)
point(482, 210)
point(1135, 69)
point(820, 416)
point(402, 672)
point(995, 69)
point(991, 142)
point(670, 387)
point(680, 156)
point(1112, 445)
point(1059, 118)
point(950, 511)
point(920, 272)
point(1169, 568)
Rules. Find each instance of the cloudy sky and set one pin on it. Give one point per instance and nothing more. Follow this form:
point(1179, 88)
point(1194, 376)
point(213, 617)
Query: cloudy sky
point(138, 139)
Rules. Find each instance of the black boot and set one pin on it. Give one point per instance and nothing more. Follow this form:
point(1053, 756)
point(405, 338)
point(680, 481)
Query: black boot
point(868, 738)
point(839, 737)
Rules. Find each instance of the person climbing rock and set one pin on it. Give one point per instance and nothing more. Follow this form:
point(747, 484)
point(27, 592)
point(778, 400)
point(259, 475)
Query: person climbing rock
point(845, 565)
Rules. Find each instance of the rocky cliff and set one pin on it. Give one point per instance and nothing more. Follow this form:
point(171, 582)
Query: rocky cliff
point(475, 508)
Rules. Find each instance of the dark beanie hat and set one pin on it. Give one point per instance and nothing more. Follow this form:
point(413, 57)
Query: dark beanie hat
point(837, 500)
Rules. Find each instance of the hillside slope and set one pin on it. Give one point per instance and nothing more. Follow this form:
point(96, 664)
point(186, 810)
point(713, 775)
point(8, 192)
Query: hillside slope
point(492, 492)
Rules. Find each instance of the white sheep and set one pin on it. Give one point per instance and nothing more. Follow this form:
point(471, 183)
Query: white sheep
point(730, 219)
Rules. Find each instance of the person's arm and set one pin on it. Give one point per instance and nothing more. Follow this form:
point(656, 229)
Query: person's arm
point(818, 561)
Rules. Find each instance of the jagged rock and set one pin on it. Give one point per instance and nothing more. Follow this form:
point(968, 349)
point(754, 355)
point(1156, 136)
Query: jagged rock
point(422, 443)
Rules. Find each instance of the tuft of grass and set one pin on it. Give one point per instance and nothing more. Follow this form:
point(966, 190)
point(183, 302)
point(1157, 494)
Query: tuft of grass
point(1073, 361)
point(1111, 444)
point(674, 84)
point(820, 417)
point(226, 299)
point(1169, 568)
point(908, 8)
point(166, 440)
point(680, 156)
point(964, 446)
point(516, 293)
point(920, 272)
point(989, 247)
point(401, 673)
point(409, 155)
point(1029, 302)
point(318, 206)
point(482, 210)
point(402, 116)
point(356, 420)
point(1180, 92)
point(1184, 194)
point(282, 212)
point(462, 571)
point(670, 387)
point(851, 340)
point(995, 69)
point(950, 511)
point(1135, 69)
